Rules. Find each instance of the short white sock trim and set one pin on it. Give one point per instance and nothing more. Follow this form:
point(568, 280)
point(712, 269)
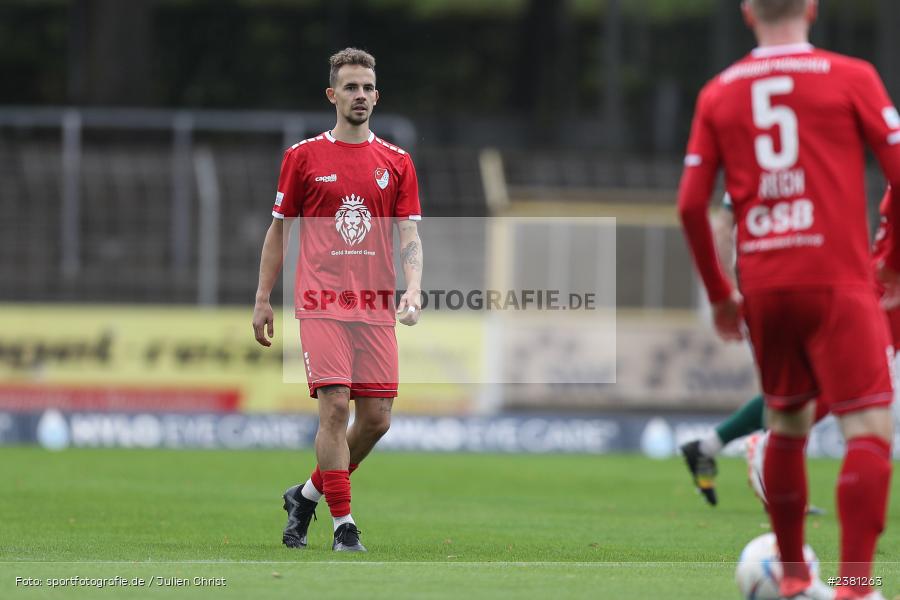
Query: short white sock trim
point(711, 444)
point(338, 521)
point(310, 492)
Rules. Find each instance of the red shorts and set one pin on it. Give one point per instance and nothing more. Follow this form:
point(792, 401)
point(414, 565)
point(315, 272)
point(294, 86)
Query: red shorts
point(360, 356)
point(827, 343)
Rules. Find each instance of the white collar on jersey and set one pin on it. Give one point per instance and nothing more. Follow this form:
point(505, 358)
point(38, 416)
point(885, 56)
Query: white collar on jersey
point(768, 51)
point(332, 139)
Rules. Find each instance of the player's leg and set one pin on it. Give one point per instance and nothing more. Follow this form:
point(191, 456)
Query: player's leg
point(375, 375)
point(755, 454)
point(747, 419)
point(371, 421)
point(332, 470)
point(372, 353)
point(855, 368)
point(360, 443)
point(700, 454)
point(780, 324)
point(862, 492)
point(787, 490)
point(333, 455)
point(328, 358)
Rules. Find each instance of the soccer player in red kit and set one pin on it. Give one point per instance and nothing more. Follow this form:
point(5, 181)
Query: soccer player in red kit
point(348, 187)
point(789, 124)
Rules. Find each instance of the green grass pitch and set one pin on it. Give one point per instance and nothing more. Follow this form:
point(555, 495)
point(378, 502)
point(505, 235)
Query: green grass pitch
point(437, 526)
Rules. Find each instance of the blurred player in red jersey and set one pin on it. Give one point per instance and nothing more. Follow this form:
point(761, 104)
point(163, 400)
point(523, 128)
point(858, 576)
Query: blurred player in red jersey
point(789, 124)
point(349, 187)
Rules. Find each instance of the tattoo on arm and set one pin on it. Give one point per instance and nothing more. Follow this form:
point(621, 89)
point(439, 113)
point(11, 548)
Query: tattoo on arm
point(409, 255)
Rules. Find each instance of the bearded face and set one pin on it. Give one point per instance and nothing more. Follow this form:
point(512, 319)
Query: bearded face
point(353, 220)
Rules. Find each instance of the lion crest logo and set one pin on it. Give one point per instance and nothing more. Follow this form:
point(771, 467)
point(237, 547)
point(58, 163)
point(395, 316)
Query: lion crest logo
point(353, 220)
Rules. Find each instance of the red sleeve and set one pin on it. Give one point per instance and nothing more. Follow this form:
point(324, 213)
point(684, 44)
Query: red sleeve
point(880, 124)
point(701, 166)
point(407, 206)
point(289, 197)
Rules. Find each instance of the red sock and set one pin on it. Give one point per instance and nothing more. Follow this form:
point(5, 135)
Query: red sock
point(862, 494)
point(784, 474)
point(316, 477)
point(337, 492)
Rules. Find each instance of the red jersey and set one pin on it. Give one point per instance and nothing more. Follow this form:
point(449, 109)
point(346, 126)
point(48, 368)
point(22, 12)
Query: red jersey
point(348, 196)
point(789, 124)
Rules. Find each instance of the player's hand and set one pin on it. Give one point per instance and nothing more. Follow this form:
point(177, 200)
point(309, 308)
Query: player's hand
point(891, 281)
point(728, 318)
point(410, 307)
point(263, 322)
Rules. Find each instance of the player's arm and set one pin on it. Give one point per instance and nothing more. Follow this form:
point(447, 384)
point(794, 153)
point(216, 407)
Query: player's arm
point(287, 205)
point(411, 258)
point(881, 126)
point(269, 267)
point(723, 232)
point(697, 182)
point(693, 207)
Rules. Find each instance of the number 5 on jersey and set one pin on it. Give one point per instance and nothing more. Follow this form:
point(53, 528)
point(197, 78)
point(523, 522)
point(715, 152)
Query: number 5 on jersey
point(766, 116)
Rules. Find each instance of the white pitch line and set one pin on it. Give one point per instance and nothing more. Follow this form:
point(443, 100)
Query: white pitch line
point(365, 562)
point(392, 563)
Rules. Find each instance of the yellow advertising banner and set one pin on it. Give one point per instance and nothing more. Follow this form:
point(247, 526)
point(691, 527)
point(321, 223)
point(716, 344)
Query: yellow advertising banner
point(191, 359)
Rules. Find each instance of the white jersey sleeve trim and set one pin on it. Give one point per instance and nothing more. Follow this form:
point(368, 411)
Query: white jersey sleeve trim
point(278, 215)
point(891, 117)
point(396, 149)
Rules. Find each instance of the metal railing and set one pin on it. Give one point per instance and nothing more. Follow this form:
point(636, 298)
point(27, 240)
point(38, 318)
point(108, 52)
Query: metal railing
point(106, 158)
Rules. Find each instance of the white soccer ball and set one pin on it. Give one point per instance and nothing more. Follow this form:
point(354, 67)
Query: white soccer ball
point(759, 568)
point(756, 451)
